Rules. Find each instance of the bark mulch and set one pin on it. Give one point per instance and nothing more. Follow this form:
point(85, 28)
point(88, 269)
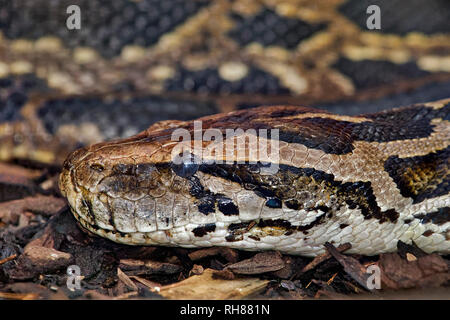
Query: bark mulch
point(40, 243)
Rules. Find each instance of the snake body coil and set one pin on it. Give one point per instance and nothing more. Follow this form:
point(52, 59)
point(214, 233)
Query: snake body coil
point(369, 180)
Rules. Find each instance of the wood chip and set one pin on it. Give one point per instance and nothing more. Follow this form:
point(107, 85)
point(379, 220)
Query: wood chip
point(259, 263)
point(39, 260)
point(323, 257)
point(147, 267)
point(153, 286)
point(292, 265)
point(428, 271)
point(19, 171)
point(15, 186)
point(19, 296)
point(351, 266)
point(46, 205)
point(126, 280)
point(12, 257)
point(410, 257)
point(228, 254)
point(224, 274)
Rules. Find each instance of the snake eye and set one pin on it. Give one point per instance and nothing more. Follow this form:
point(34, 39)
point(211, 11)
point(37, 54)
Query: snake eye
point(97, 167)
point(185, 168)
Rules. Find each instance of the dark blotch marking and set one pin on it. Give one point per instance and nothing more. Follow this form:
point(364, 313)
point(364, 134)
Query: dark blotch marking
point(237, 230)
point(329, 135)
point(273, 203)
point(207, 201)
point(185, 169)
point(322, 208)
point(354, 194)
point(288, 227)
point(279, 223)
point(234, 237)
point(206, 204)
point(203, 230)
point(196, 188)
point(399, 124)
point(421, 177)
point(238, 226)
point(427, 233)
point(390, 215)
point(343, 225)
point(226, 206)
point(292, 204)
point(438, 217)
point(15, 90)
point(337, 137)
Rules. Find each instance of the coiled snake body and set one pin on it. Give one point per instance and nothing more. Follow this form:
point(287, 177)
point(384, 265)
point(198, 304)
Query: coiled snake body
point(369, 180)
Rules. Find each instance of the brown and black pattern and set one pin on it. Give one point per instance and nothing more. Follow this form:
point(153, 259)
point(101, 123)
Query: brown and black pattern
point(296, 187)
point(208, 202)
point(421, 177)
point(438, 217)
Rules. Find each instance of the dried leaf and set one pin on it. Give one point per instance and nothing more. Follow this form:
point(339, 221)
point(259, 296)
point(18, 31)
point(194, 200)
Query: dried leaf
point(39, 260)
point(206, 287)
point(15, 186)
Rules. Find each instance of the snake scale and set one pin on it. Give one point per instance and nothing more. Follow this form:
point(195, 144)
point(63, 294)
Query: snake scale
point(370, 179)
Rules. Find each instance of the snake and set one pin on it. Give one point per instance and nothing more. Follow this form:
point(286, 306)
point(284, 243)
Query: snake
point(368, 180)
point(382, 177)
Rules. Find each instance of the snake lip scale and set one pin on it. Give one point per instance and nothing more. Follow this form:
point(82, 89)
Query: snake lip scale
point(370, 180)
